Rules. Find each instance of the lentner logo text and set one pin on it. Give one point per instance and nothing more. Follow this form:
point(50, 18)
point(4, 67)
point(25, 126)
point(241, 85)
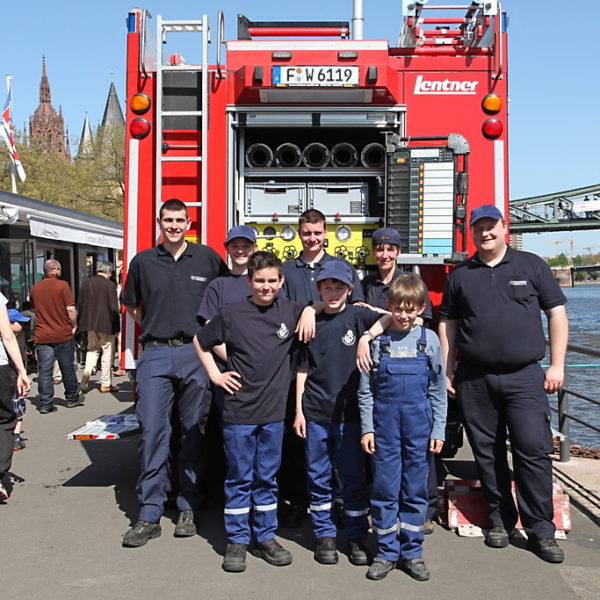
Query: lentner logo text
point(444, 86)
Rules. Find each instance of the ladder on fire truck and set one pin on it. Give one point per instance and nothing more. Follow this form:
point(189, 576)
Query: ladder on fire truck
point(164, 27)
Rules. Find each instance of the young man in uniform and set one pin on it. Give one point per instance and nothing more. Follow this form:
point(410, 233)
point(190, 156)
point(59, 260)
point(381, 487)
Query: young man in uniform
point(300, 285)
point(491, 314)
point(258, 334)
point(163, 291)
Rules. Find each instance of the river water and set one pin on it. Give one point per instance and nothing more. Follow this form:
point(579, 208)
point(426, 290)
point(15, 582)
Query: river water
point(583, 308)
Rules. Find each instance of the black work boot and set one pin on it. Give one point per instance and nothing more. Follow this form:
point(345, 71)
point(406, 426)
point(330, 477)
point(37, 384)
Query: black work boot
point(234, 560)
point(497, 537)
point(380, 568)
point(416, 568)
point(358, 553)
point(547, 549)
point(326, 552)
point(186, 526)
point(273, 552)
point(140, 533)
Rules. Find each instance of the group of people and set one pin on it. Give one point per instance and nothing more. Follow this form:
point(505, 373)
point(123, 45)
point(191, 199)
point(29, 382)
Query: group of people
point(283, 345)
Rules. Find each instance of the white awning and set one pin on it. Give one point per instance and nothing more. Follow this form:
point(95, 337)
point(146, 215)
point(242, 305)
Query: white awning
point(77, 232)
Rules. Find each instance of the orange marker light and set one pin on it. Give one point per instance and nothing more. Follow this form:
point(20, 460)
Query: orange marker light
point(140, 103)
point(492, 104)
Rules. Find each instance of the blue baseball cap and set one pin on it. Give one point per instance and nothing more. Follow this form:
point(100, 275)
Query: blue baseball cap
point(386, 235)
point(336, 269)
point(486, 211)
point(15, 315)
point(241, 231)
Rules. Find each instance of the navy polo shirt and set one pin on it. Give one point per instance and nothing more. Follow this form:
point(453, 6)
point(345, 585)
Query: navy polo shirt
point(169, 290)
point(300, 282)
point(259, 341)
point(498, 308)
point(376, 293)
point(330, 393)
point(222, 292)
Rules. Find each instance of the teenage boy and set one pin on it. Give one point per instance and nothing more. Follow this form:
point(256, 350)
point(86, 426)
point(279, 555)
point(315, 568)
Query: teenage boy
point(327, 415)
point(300, 285)
point(403, 416)
point(240, 243)
point(258, 334)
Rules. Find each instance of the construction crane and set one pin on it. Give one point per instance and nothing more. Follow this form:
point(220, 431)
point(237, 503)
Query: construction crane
point(572, 244)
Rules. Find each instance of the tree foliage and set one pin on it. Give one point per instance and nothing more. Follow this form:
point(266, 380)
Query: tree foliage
point(559, 261)
point(92, 183)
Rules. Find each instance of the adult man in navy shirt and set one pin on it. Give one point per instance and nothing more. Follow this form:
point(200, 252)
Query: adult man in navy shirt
point(163, 291)
point(491, 314)
point(301, 286)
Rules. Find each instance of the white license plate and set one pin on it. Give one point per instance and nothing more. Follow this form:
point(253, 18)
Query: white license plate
point(324, 75)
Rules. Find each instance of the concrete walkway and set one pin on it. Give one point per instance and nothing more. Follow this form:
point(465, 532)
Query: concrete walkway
point(71, 502)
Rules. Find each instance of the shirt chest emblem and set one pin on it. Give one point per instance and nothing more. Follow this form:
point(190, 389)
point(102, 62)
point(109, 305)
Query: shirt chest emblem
point(198, 278)
point(517, 282)
point(283, 331)
point(349, 338)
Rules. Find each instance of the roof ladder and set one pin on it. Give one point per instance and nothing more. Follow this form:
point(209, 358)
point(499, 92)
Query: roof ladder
point(165, 27)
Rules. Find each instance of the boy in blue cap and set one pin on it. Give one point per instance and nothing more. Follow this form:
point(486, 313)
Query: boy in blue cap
point(327, 415)
point(403, 416)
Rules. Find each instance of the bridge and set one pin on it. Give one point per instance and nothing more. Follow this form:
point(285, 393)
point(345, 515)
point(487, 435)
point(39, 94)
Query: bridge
point(571, 210)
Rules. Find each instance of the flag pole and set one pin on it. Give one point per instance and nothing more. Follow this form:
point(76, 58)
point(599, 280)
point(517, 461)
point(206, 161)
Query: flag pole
point(13, 171)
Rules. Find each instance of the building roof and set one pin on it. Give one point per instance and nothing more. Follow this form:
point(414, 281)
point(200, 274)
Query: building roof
point(113, 114)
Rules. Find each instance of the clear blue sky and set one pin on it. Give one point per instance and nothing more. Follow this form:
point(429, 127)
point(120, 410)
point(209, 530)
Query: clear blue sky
point(554, 130)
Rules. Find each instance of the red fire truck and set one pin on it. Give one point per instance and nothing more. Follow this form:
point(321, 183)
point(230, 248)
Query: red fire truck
point(304, 115)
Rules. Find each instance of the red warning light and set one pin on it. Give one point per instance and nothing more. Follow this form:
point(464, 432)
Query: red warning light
point(492, 128)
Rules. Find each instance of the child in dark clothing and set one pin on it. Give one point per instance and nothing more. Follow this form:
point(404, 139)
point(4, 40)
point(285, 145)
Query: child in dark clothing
point(327, 415)
point(258, 334)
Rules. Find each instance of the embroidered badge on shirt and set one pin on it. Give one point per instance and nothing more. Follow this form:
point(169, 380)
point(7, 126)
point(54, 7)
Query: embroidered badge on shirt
point(349, 338)
point(283, 331)
point(198, 278)
point(517, 282)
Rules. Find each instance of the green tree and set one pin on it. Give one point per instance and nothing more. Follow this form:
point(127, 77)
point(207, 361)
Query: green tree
point(559, 261)
point(93, 183)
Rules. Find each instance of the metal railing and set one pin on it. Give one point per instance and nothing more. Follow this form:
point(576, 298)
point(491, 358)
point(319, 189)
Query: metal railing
point(564, 416)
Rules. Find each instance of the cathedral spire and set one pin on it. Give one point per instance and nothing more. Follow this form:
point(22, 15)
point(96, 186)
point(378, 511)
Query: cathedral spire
point(44, 85)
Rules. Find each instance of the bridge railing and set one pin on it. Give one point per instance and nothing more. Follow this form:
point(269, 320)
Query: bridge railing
point(564, 416)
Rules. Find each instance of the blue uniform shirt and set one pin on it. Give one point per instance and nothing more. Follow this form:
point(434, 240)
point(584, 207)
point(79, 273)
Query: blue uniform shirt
point(498, 309)
point(404, 344)
point(222, 292)
point(300, 280)
point(332, 382)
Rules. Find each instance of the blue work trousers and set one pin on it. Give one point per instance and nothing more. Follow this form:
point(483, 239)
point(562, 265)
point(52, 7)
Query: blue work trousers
point(253, 455)
point(64, 353)
point(491, 405)
point(167, 375)
point(329, 444)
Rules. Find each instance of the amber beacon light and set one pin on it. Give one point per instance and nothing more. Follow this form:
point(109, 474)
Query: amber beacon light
point(492, 104)
point(139, 103)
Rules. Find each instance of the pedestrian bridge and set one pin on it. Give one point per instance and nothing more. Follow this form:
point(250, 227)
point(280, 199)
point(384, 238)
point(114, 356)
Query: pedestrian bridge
point(571, 210)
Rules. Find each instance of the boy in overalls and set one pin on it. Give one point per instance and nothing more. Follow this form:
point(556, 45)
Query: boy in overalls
point(403, 415)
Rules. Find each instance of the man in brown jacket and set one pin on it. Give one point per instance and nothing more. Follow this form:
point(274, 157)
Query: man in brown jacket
point(55, 324)
point(99, 315)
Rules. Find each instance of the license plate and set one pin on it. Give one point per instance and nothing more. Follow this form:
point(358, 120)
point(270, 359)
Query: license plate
point(324, 75)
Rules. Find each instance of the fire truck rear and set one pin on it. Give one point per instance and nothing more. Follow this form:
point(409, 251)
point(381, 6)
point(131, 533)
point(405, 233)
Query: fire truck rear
point(302, 115)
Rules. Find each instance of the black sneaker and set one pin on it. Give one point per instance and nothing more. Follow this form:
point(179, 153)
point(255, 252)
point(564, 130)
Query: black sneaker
point(234, 560)
point(186, 525)
point(273, 552)
point(497, 537)
point(46, 410)
point(18, 443)
point(547, 549)
point(326, 552)
point(294, 516)
point(416, 568)
point(80, 401)
point(358, 553)
point(140, 533)
point(380, 568)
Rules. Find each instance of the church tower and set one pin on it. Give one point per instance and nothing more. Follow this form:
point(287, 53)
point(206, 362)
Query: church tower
point(46, 126)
